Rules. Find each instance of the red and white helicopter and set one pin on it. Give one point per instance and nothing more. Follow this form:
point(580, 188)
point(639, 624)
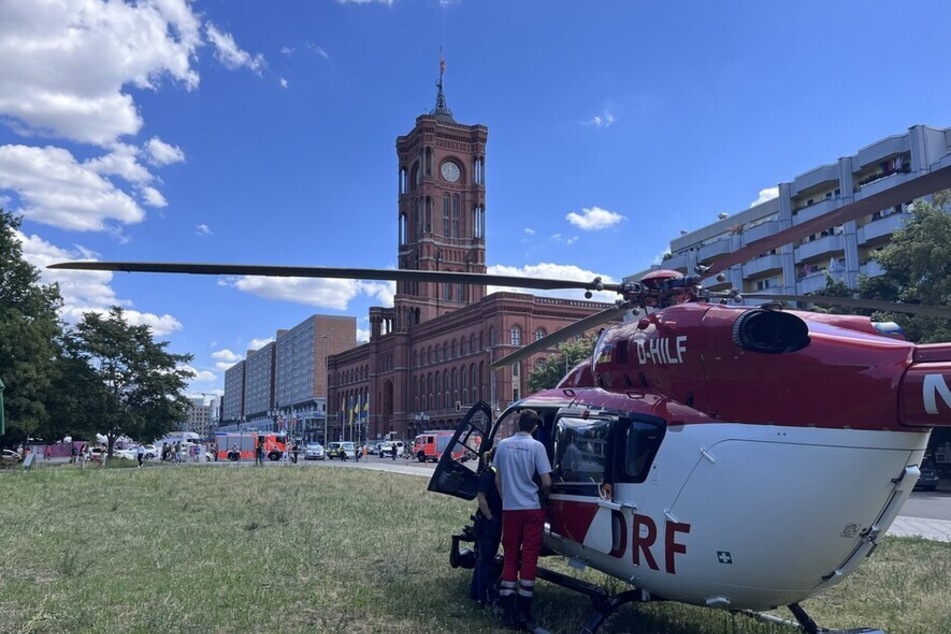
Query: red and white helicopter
point(734, 457)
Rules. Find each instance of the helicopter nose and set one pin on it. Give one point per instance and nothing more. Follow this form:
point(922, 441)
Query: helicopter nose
point(925, 390)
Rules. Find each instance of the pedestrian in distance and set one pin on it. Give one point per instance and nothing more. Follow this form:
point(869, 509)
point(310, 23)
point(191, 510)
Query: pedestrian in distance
point(518, 459)
point(393, 451)
point(259, 452)
point(140, 455)
point(488, 535)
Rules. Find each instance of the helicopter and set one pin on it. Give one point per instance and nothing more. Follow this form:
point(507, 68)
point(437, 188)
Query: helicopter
point(729, 456)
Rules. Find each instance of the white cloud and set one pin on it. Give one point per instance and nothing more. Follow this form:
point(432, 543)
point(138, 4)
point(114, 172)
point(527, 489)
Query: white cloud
point(65, 63)
point(161, 153)
point(257, 344)
point(766, 194)
point(603, 120)
point(363, 335)
point(200, 376)
point(225, 358)
point(594, 219)
point(230, 54)
point(57, 190)
point(529, 231)
point(203, 230)
point(553, 271)
point(87, 291)
point(325, 293)
point(283, 82)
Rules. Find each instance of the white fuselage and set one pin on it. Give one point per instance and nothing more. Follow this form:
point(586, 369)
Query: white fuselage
point(746, 516)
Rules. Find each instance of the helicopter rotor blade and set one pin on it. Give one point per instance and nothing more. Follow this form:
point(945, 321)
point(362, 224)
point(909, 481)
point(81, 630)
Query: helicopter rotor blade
point(870, 304)
point(552, 340)
point(863, 205)
point(396, 275)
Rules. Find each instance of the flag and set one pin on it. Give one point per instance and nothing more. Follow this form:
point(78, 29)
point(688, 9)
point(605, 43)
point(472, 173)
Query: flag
point(366, 409)
point(442, 63)
point(350, 408)
point(340, 416)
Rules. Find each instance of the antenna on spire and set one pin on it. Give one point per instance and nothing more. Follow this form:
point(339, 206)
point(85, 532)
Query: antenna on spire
point(442, 110)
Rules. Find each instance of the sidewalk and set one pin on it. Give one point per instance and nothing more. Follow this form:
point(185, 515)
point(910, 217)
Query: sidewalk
point(937, 530)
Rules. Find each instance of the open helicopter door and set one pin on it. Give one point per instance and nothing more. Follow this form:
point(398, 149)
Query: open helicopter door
point(456, 473)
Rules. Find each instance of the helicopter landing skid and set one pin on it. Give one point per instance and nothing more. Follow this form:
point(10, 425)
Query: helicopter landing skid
point(603, 603)
point(803, 622)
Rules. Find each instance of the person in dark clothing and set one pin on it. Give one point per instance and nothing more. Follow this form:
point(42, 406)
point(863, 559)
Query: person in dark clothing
point(488, 534)
point(259, 452)
point(393, 451)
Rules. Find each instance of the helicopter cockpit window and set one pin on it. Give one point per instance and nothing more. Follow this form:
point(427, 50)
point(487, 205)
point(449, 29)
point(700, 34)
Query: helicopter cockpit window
point(642, 441)
point(581, 452)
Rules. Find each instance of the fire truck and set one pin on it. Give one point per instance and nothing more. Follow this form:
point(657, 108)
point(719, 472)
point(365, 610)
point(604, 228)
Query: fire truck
point(234, 446)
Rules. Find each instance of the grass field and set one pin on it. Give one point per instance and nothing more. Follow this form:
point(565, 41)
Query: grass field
point(316, 549)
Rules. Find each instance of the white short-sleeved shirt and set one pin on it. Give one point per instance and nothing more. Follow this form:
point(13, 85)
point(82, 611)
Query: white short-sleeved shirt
point(518, 459)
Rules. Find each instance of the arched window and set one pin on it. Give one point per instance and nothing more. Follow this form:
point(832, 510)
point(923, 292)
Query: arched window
point(491, 336)
point(455, 215)
point(455, 348)
point(445, 215)
point(515, 336)
point(540, 333)
point(445, 351)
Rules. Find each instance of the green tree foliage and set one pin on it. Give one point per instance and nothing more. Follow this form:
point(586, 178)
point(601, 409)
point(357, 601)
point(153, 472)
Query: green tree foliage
point(29, 331)
point(138, 386)
point(548, 373)
point(917, 264)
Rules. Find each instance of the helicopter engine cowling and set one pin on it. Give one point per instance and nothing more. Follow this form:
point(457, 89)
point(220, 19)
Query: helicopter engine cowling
point(776, 367)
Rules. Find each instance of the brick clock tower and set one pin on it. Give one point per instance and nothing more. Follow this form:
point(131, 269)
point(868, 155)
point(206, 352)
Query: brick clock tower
point(441, 212)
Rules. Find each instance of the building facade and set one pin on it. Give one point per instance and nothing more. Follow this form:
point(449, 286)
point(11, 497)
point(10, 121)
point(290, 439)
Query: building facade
point(428, 357)
point(844, 250)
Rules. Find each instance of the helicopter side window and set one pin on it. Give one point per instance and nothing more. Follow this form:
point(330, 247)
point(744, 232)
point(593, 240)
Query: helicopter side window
point(643, 438)
point(581, 454)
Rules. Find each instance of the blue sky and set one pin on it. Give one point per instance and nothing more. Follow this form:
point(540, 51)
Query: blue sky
point(251, 132)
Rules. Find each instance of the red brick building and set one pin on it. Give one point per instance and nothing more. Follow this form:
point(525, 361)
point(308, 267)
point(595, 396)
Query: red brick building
point(427, 359)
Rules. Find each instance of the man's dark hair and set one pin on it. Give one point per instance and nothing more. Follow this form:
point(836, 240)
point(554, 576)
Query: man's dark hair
point(527, 420)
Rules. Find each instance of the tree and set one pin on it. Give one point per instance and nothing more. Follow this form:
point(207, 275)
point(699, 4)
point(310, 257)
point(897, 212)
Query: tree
point(139, 386)
point(29, 332)
point(917, 264)
point(548, 373)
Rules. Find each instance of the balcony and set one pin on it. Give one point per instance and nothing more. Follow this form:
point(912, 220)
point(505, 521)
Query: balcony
point(822, 246)
point(815, 282)
point(712, 250)
point(881, 227)
point(678, 262)
point(765, 264)
point(760, 231)
point(815, 210)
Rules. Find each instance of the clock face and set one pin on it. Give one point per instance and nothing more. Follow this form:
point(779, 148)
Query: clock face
point(450, 171)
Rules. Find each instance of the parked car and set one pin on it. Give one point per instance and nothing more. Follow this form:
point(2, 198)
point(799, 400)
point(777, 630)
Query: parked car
point(342, 450)
point(928, 480)
point(313, 451)
point(9, 458)
point(386, 448)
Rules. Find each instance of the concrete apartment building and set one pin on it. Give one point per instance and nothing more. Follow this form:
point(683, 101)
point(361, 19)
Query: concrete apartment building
point(845, 250)
point(283, 385)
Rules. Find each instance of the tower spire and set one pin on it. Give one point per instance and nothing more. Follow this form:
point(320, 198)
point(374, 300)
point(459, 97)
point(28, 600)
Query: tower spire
point(442, 110)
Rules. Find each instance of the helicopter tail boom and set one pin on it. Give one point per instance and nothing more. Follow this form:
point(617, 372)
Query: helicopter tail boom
point(925, 391)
